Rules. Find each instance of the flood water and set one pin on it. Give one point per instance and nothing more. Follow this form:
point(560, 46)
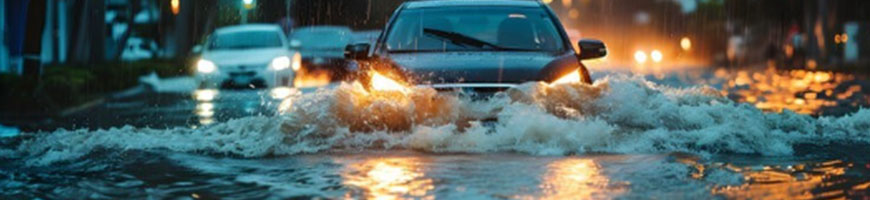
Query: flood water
point(733, 134)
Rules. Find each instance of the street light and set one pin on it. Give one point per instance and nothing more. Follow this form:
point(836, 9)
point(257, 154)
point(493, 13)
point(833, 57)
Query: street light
point(175, 6)
point(248, 4)
point(686, 44)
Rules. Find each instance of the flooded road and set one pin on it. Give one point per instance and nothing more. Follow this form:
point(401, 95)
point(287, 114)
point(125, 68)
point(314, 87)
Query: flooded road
point(655, 136)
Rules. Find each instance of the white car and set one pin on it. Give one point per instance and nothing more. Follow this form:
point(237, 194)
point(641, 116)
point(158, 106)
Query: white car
point(247, 56)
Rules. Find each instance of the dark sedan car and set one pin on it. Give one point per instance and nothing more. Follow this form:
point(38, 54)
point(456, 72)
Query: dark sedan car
point(477, 45)
point(322, 49)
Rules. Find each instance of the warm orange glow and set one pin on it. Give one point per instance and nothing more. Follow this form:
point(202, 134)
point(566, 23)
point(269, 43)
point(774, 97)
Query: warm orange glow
point(571, 77)
point(175, 6)
point(844, 38)
point(656, 56)
point(391, 178)
point(548, 1)
point(574, 14)
point(686, 44)
point(297, 61)
point(787, 182)
point(382, 83)
point(801, 91)
point(306, 78)
point(640, 57)
point(567, 3)
point(576, 179)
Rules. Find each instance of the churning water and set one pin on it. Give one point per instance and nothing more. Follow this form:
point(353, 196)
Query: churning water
point(620, 137)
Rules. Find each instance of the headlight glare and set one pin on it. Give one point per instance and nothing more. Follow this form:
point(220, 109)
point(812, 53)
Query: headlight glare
point(571, 77)
point(280, 63)
point(205, 66)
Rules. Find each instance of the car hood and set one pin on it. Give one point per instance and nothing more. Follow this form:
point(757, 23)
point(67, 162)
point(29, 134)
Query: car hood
point(244, 56)
point(483, 67)
point(332, 53)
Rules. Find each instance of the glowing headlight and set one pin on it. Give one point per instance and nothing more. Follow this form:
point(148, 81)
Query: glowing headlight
point(205, 66)
point(571, 77)
point(383, 83)
point(656, 56)
point(280, 63)
point(640, 57)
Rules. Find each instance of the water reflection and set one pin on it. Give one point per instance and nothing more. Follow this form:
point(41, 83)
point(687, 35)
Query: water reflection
point(204, 106)
point(388, 178)
point(576, 178)
point(800, 181)
point(802, 91)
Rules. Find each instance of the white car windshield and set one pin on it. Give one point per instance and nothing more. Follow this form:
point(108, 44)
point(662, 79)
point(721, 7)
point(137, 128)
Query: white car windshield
point(246, 40)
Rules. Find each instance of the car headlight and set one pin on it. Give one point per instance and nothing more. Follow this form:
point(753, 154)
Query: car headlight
point(205, 66)
point(280, 63)
point(640, 57)
point(383, 83)
point(570, 77)
point(656, 56)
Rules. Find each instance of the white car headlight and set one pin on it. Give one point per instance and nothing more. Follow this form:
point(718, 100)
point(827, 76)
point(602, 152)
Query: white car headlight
point(280, 63)
point(205, 66)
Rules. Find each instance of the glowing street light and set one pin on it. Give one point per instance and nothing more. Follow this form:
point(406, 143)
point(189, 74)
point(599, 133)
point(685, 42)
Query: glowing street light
point(248, 4)
point(686, 44)
point(175, 6)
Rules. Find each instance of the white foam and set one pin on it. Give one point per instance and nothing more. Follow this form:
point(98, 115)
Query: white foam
point(618, 114)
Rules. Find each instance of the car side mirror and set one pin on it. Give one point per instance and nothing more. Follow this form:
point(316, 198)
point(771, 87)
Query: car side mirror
point(591, 49)
point(357, 51)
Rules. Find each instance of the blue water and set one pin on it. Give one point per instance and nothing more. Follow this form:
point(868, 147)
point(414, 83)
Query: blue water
point(623, 137)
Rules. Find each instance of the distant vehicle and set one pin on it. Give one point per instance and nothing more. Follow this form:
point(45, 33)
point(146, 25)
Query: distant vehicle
point(322, 48)
point(246, 56)
point(139, 48)
point(480, 46)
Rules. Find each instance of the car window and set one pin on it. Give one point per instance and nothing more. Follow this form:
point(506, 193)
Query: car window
point(321, 39)
point(245, 40)
point(474, 28)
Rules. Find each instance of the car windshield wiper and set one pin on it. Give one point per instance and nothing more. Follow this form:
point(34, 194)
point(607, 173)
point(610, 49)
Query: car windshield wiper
point(461, 39)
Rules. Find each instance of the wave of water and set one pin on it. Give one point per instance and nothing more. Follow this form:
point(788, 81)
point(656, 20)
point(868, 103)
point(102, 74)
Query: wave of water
point(617, 114)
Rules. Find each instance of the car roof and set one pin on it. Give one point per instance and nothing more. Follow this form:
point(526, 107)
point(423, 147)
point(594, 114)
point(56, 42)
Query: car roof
point(323, 28)
point(248, 27)
point(448, 3)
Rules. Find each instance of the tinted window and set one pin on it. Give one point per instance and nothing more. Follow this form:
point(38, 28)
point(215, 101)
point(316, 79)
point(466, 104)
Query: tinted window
point(474, 28)
point(321, 38)
point(246, 40)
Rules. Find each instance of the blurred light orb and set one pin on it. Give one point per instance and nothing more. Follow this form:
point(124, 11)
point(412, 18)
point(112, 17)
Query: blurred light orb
point(175, 6)
point(281, 63)
point(656, 56)
point(205, 66)
point(297, 61)
point(640, 57)
point(547, 1)
point(574, 14)
point(686, 43)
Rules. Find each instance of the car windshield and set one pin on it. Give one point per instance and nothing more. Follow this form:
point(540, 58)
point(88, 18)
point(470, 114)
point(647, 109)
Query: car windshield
point(474, 29)
point(321, 39)
point(246, 40)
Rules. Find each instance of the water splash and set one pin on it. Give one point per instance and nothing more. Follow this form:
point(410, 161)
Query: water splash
point(617, 114)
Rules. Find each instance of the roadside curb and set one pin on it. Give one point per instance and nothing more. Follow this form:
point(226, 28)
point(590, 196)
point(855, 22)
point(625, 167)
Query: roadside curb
point(137, 90)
